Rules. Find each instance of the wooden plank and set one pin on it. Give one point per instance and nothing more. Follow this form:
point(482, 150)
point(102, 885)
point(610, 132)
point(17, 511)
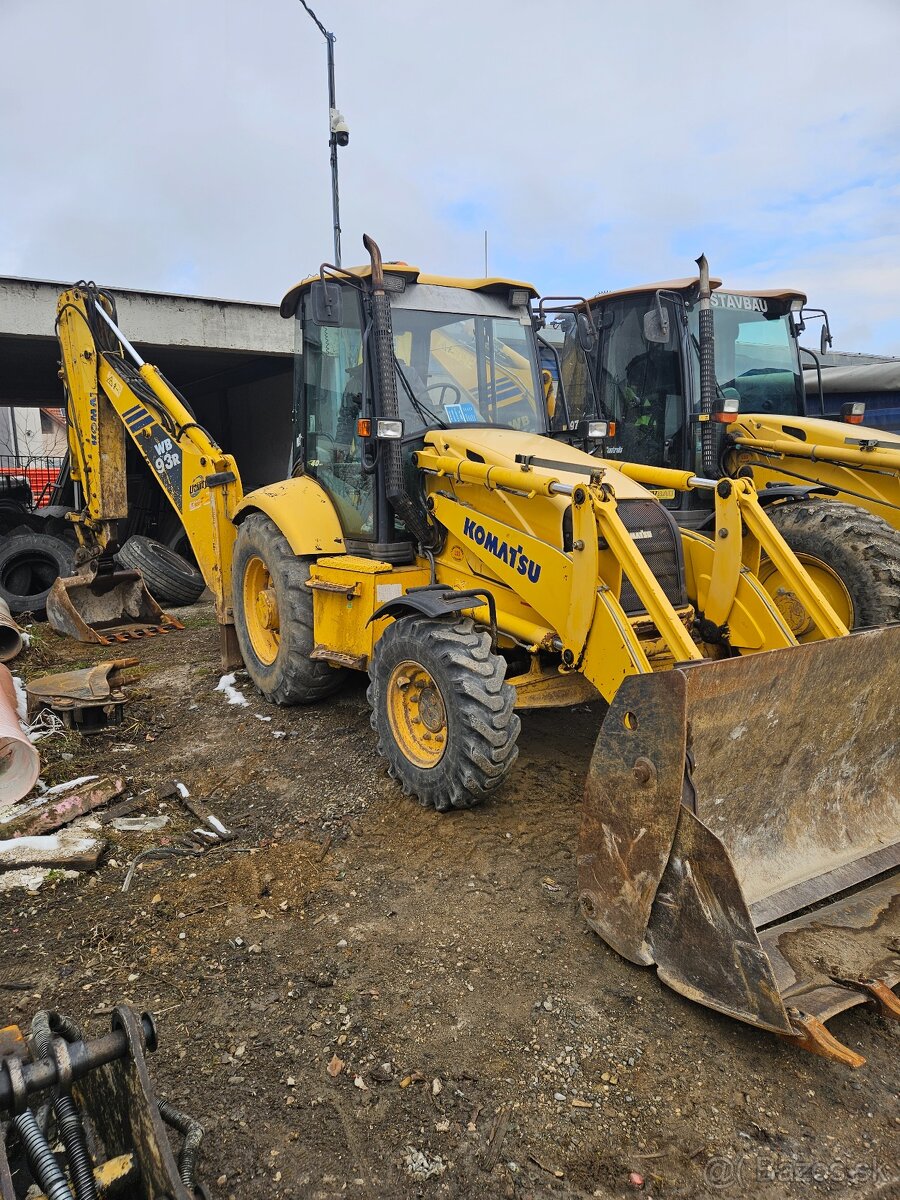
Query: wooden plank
point(63, 808)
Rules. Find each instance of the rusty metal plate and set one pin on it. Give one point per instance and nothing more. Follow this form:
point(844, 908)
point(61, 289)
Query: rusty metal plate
point(630, 812)
point(702, 933)
point(90, 684)
point(817, 957)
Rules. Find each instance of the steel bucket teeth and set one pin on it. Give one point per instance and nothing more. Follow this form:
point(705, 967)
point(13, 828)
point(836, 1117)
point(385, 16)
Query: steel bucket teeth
point(106, 608)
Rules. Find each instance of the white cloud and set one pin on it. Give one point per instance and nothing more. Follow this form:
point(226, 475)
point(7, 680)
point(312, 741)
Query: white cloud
point(172, 145)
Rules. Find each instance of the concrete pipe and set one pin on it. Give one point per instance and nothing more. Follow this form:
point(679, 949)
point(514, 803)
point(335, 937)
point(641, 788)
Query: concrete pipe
point(20, 763)
point(11, 641)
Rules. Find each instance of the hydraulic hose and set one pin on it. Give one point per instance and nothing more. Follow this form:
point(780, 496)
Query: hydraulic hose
point(193, 1136)
point(68, 1118)
point(44, 1166)
point(708, 432)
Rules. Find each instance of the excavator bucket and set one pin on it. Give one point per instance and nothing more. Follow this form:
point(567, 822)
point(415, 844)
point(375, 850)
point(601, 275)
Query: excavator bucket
point(741, 831)
point(106, 608)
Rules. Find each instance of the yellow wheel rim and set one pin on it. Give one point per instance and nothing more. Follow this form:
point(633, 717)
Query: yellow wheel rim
point(826, 580)
point(417, 715)
point(261, 611)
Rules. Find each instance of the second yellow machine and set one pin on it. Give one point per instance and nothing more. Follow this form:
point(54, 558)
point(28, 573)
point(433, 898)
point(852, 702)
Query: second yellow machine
point(433, 536)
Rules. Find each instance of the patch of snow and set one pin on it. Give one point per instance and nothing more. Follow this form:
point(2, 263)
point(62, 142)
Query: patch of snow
point(226, 685)
point(64, 787)
point(420, 1166)
point(259, 717)
point(182, 790)
point(31, 877)
point(21, 702)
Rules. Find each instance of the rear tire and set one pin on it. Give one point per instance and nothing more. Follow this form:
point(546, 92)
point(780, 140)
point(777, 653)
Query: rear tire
point(29, 565)
point(274, 624)
point(443, 711)
point(861, 550)
point(169, 578)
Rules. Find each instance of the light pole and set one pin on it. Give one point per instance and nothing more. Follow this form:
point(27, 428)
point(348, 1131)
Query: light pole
point(338, 134)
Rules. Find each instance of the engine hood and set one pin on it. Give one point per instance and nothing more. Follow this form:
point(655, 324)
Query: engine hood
point(813, 430)
point(552, 459)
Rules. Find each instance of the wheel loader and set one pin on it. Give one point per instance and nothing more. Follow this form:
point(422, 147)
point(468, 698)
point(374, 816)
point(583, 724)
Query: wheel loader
point(690, 376)
point(434, 537)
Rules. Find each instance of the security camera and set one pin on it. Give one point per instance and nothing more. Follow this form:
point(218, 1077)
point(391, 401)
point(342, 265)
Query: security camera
point(339, 129)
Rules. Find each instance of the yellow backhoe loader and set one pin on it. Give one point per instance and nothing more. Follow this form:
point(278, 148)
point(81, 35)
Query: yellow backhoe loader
point(432, 536)
point(692, 376)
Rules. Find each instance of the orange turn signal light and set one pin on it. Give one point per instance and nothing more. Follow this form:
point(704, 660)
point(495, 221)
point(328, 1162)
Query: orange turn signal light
point(363, 427)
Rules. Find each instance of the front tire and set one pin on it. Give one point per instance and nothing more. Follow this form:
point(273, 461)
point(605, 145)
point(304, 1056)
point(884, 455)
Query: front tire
point(443, 711)
point(273, 617)
point(852, 555)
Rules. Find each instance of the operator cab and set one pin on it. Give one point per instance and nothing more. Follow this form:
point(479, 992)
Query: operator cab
point(464, 355)
point(643, 377)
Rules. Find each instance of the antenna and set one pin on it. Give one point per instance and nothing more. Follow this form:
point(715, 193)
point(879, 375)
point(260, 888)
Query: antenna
point(485, 254)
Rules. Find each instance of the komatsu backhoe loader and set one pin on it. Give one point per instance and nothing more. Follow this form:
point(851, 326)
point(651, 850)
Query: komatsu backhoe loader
point(831, 487)
point(432, 536)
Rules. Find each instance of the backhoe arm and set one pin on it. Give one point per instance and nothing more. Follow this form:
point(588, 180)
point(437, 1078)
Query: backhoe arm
point(108, 397)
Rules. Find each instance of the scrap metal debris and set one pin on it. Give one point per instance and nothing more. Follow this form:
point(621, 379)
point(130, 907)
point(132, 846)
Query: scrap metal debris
point(101, 1110)
point(87, 700)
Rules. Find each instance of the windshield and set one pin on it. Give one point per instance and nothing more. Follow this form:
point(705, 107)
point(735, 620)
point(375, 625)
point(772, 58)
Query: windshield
point(457, 369)
point(756, 353)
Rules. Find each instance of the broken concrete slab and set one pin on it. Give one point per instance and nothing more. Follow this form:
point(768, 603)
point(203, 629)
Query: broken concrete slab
point(68, 848)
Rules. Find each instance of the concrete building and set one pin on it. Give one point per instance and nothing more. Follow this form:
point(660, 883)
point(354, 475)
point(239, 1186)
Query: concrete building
point(230, 359)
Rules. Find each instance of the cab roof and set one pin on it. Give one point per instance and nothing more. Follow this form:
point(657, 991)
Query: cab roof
point(686, 285)
point(491, 286)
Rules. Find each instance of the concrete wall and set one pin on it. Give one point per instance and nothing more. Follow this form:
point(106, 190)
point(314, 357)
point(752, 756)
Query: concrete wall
point(28, 310)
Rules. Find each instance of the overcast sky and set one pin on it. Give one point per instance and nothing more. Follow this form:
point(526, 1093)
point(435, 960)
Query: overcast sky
point(181, 145)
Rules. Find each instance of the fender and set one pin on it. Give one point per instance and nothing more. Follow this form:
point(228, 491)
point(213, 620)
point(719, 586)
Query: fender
point(302, 510)
point(437, 600)
point(785, 491)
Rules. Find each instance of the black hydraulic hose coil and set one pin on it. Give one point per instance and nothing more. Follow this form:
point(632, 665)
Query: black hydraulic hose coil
point(68, 1118)
point(193, 1136)
point(44, 1166)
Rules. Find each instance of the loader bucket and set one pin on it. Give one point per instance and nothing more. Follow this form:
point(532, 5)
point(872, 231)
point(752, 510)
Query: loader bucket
point(106, 608)
point(725, 802)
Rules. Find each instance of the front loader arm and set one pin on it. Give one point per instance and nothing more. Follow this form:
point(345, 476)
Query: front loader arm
point(743, 532)
point(106, 398)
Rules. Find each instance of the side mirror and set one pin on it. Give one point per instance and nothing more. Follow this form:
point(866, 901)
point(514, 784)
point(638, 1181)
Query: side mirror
point(824, 339)
point(587, 335)
point(327, 302)
point(656, 323)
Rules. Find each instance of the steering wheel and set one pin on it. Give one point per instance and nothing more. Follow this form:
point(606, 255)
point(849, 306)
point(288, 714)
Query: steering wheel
point(457, 392)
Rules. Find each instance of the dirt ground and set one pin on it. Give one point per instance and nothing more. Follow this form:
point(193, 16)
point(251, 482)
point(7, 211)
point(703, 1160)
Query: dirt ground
point(489, 1044)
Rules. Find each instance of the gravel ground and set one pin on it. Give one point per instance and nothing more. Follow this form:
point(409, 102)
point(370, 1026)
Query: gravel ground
point(361, 997)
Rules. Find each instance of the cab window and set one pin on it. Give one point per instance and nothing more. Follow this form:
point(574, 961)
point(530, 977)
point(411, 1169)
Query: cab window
point(328, 402)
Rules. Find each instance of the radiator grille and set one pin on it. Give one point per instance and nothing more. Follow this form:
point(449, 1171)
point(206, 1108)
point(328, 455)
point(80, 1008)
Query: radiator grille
point(661, 551)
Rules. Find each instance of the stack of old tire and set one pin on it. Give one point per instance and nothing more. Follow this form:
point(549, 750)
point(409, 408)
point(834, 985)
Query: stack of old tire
point(170, 579)
point(30, 562)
